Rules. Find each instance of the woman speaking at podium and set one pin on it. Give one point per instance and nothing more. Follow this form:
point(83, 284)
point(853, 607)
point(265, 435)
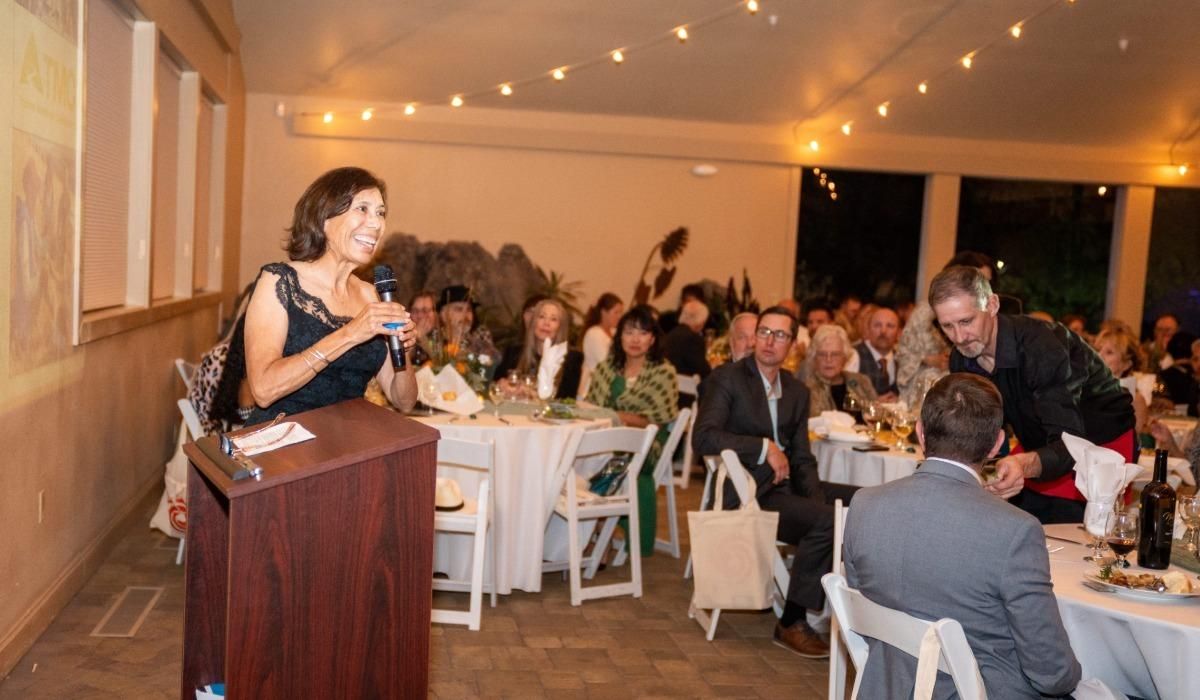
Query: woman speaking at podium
point(314, 332)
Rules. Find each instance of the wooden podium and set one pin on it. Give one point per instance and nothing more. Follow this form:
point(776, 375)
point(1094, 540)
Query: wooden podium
point(314, 580)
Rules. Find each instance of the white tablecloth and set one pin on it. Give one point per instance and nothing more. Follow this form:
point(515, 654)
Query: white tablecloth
point(1143, 648)
point(527, 453)
point(839, 463)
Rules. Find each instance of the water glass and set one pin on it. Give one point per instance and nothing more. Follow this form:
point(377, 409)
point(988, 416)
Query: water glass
point(1189, 511)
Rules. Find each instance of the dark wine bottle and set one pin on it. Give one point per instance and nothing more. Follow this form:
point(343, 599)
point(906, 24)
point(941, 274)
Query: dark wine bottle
point(1157, 518)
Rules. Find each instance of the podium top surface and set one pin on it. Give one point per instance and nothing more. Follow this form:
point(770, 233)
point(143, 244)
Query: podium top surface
point(346, 433)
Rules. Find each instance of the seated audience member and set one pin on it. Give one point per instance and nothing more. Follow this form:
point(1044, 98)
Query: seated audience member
point(1052, 383)
point(936, 544)
point(684, 345)
point(690, 292)
point(816, 314)
point(1076, 324)
point(600, 324)
point(1178, 379)
point(1116, 324)
point(1189, 450)
point(922, 354)
point(640, 385)
point(741, 335)
point(549, 322)
point(424, 317)
point(1155, 349)
point(1121, 354)
point(847, 315)
point(876, 351)
point(827, 380)
point(795, 358)
point(457, 330)
point(761, 413)
point(904, 310)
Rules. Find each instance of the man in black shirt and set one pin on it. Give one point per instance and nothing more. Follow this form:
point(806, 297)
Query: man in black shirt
point(1052, 382)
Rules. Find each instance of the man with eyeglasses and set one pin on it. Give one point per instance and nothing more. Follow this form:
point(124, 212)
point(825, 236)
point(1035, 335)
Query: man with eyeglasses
point(761, 413)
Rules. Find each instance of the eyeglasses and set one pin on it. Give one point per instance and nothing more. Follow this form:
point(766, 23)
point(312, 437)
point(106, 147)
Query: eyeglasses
point(781, 336)
point(830, 355)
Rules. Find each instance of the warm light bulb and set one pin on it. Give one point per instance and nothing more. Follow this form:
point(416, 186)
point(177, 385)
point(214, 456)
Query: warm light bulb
point(1016, 30)
point(559, 73)
point(506, 89)
point(814, 145)
point(816, 171)
point(846, 128)
point(618, 57)
point(681, 34)
point(833, 196)
point(1101, 190)
point(366, 115)
point(967, 61)
point(410, 109)
point(752, 6)
point(328, 118)
point(999, 264)
point(832, 186)
point(824, 179)
point(1183, 169)
point(923, 88)
point(456, 101)
point(883, 109)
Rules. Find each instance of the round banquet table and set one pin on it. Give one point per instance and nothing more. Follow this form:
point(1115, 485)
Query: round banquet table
point(839, 463)
point(1143, 648)
point(527, 452)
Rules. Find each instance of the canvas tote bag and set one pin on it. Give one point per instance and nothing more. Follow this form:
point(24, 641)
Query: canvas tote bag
point(733, 554)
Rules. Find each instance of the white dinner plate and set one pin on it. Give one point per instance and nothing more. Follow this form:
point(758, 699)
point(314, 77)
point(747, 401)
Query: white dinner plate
point(847, 438)
point(1144, 594)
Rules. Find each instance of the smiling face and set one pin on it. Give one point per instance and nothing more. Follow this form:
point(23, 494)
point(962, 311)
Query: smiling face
point(354, 234)
point(457, 317)
point(423, 315)
point(883, 330)
point(970, 328)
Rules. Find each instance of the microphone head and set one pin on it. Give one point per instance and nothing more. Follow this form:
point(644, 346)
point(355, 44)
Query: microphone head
point(385, 279)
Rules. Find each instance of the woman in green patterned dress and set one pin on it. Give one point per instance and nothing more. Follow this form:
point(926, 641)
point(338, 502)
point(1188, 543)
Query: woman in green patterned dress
point(640, 385)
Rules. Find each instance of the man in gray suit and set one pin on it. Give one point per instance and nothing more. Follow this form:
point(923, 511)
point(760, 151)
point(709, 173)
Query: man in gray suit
point(936, 544)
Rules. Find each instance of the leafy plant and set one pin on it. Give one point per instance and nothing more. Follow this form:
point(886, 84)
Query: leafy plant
point(669, 249)
point(735, 303)
point(555, 286)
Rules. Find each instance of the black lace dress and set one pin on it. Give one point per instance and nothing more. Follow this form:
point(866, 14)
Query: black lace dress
point(308, 321)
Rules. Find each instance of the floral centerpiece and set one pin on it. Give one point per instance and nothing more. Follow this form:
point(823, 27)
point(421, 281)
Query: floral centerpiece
point(473, 356)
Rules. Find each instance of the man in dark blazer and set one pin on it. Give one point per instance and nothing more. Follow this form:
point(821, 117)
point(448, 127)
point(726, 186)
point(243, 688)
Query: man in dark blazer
point(876, 352)
point(761, 413)
point(937, 544)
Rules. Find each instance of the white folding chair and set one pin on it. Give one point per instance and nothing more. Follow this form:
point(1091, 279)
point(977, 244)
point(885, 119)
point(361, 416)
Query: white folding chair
point(689, 385)
point(664, 476)
point(573, 502)
point(858, 617)
point(711, 464)
point(187, 370)
point(837, 655)
point(190, 424)
point(474, 518)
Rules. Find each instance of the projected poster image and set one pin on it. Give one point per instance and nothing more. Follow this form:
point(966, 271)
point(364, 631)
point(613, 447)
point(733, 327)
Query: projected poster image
point(41, 255)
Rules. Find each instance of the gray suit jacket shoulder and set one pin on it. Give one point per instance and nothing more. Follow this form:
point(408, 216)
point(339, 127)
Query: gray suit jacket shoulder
point(937, 545)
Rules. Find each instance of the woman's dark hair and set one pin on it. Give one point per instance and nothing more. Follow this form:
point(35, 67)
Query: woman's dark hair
point(606, 301)
point(328, 196)
point(641, 317)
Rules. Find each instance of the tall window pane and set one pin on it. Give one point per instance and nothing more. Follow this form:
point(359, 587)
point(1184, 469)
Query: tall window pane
point(166, 177)
point(1172, 280)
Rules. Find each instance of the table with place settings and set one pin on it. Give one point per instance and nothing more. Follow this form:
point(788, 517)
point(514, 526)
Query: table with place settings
point(1145, 647)
point(527, 452)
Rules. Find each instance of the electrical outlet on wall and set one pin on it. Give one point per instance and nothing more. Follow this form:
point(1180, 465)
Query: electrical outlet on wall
point(41, 506)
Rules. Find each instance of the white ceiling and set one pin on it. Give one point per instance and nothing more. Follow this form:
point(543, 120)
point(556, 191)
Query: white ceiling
point(818, 64)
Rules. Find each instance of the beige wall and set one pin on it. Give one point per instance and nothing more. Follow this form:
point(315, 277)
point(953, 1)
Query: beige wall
point(591, 216)
point(91, 427)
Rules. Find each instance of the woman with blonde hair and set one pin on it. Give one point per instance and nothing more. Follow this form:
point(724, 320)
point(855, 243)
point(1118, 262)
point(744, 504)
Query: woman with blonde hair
point(548, 321)
point(1122, 354)
point(827, 378)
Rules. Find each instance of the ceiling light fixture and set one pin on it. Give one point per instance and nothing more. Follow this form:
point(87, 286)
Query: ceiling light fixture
point(410, 109)
point(923, 87)
point(506, 89)
point(328, 118)
point(618, 57)
point(1183, 169)
point(558, 73)
point(456, 101)
point(882, 109)
point(968, 60)
point(846, 128)
point(367, 114)
point(814, 145)
point(1016, 29)
point(752, 6)
point(682, 34)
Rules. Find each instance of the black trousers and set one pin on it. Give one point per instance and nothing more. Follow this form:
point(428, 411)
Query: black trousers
point(1049, 509)
point(807, 524)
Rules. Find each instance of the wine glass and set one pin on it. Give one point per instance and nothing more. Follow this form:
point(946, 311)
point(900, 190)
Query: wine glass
point(902, 426)
point(429, 392)
point(1097, 521)
point(873, 415)
point(853, 406)
point(1123, 536)
point(496, 394)
point(1189, 510)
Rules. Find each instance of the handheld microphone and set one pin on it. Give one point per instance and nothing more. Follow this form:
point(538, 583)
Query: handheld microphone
point(385, 286)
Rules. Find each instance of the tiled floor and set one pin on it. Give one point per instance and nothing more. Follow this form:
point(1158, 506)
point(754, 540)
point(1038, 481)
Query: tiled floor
point(531, 645)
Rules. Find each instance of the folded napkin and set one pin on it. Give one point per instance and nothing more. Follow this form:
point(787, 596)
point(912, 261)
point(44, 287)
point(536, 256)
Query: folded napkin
point(278, 435)
point(1101, 475)
point(552, 360)
point(831, 420)
point(450, 392)
point(1176, 466)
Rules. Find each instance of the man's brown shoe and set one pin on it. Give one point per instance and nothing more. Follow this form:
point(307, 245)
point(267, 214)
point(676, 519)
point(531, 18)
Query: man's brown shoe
point(801, 639)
